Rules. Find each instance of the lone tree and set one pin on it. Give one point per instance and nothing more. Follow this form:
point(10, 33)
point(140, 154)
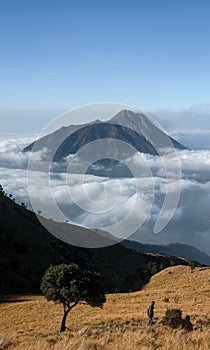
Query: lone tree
point(70, 285)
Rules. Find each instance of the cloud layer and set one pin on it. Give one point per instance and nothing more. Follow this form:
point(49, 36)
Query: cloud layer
point(103, 202)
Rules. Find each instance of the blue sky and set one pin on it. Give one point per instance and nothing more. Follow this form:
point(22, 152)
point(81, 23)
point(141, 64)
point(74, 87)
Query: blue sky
point(152, 54)
point(61, 54)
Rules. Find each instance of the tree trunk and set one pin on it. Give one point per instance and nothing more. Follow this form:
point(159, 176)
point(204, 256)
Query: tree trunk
point(63, 323)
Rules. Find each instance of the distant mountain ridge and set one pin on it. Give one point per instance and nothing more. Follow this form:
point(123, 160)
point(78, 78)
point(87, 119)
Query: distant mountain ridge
point(133, 128)
point(173, 249)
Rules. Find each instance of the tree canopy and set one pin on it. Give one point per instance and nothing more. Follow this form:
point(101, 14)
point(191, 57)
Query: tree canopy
point(71, 285)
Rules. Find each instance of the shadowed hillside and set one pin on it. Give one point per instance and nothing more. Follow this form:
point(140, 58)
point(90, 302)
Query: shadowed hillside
point(27, 249)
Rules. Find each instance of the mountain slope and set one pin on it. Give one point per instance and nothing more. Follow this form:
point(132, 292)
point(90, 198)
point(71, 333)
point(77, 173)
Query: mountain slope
point(50, 140)
point(173, 249)
point(101, 131)
point(135, 129)
point(31, 322)
point(27, 249)
point(143, 125)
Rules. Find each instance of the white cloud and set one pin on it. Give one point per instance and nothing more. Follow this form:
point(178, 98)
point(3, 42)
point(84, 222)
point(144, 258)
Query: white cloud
point(190, 224)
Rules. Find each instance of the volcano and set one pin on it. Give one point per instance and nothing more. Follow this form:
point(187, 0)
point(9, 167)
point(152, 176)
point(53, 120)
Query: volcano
point(135, 129)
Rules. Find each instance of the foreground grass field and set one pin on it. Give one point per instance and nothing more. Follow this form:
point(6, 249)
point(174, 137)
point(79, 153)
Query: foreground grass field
point(32, 323)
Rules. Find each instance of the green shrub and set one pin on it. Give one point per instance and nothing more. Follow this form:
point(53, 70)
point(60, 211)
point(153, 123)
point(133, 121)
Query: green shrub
point(172, 318)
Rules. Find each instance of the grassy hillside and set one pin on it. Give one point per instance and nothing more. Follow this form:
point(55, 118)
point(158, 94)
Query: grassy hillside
point(30, 322)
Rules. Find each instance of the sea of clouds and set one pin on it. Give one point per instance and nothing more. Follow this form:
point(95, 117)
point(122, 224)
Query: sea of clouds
point(101, 202)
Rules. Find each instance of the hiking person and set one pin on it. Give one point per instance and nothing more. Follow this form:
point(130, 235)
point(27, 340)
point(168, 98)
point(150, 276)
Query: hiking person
point(150, 313)
point(186, 324)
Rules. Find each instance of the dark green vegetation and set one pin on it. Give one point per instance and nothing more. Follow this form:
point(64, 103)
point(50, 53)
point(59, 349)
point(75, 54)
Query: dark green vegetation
point(27, 250)
point(172, 318)
point(70, 285)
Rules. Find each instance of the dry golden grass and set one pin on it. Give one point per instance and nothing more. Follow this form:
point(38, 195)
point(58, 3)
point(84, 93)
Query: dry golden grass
point(32, 323)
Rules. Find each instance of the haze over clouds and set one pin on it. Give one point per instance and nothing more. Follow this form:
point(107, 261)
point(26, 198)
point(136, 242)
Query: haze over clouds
point(190, 224)
point(190, 126)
